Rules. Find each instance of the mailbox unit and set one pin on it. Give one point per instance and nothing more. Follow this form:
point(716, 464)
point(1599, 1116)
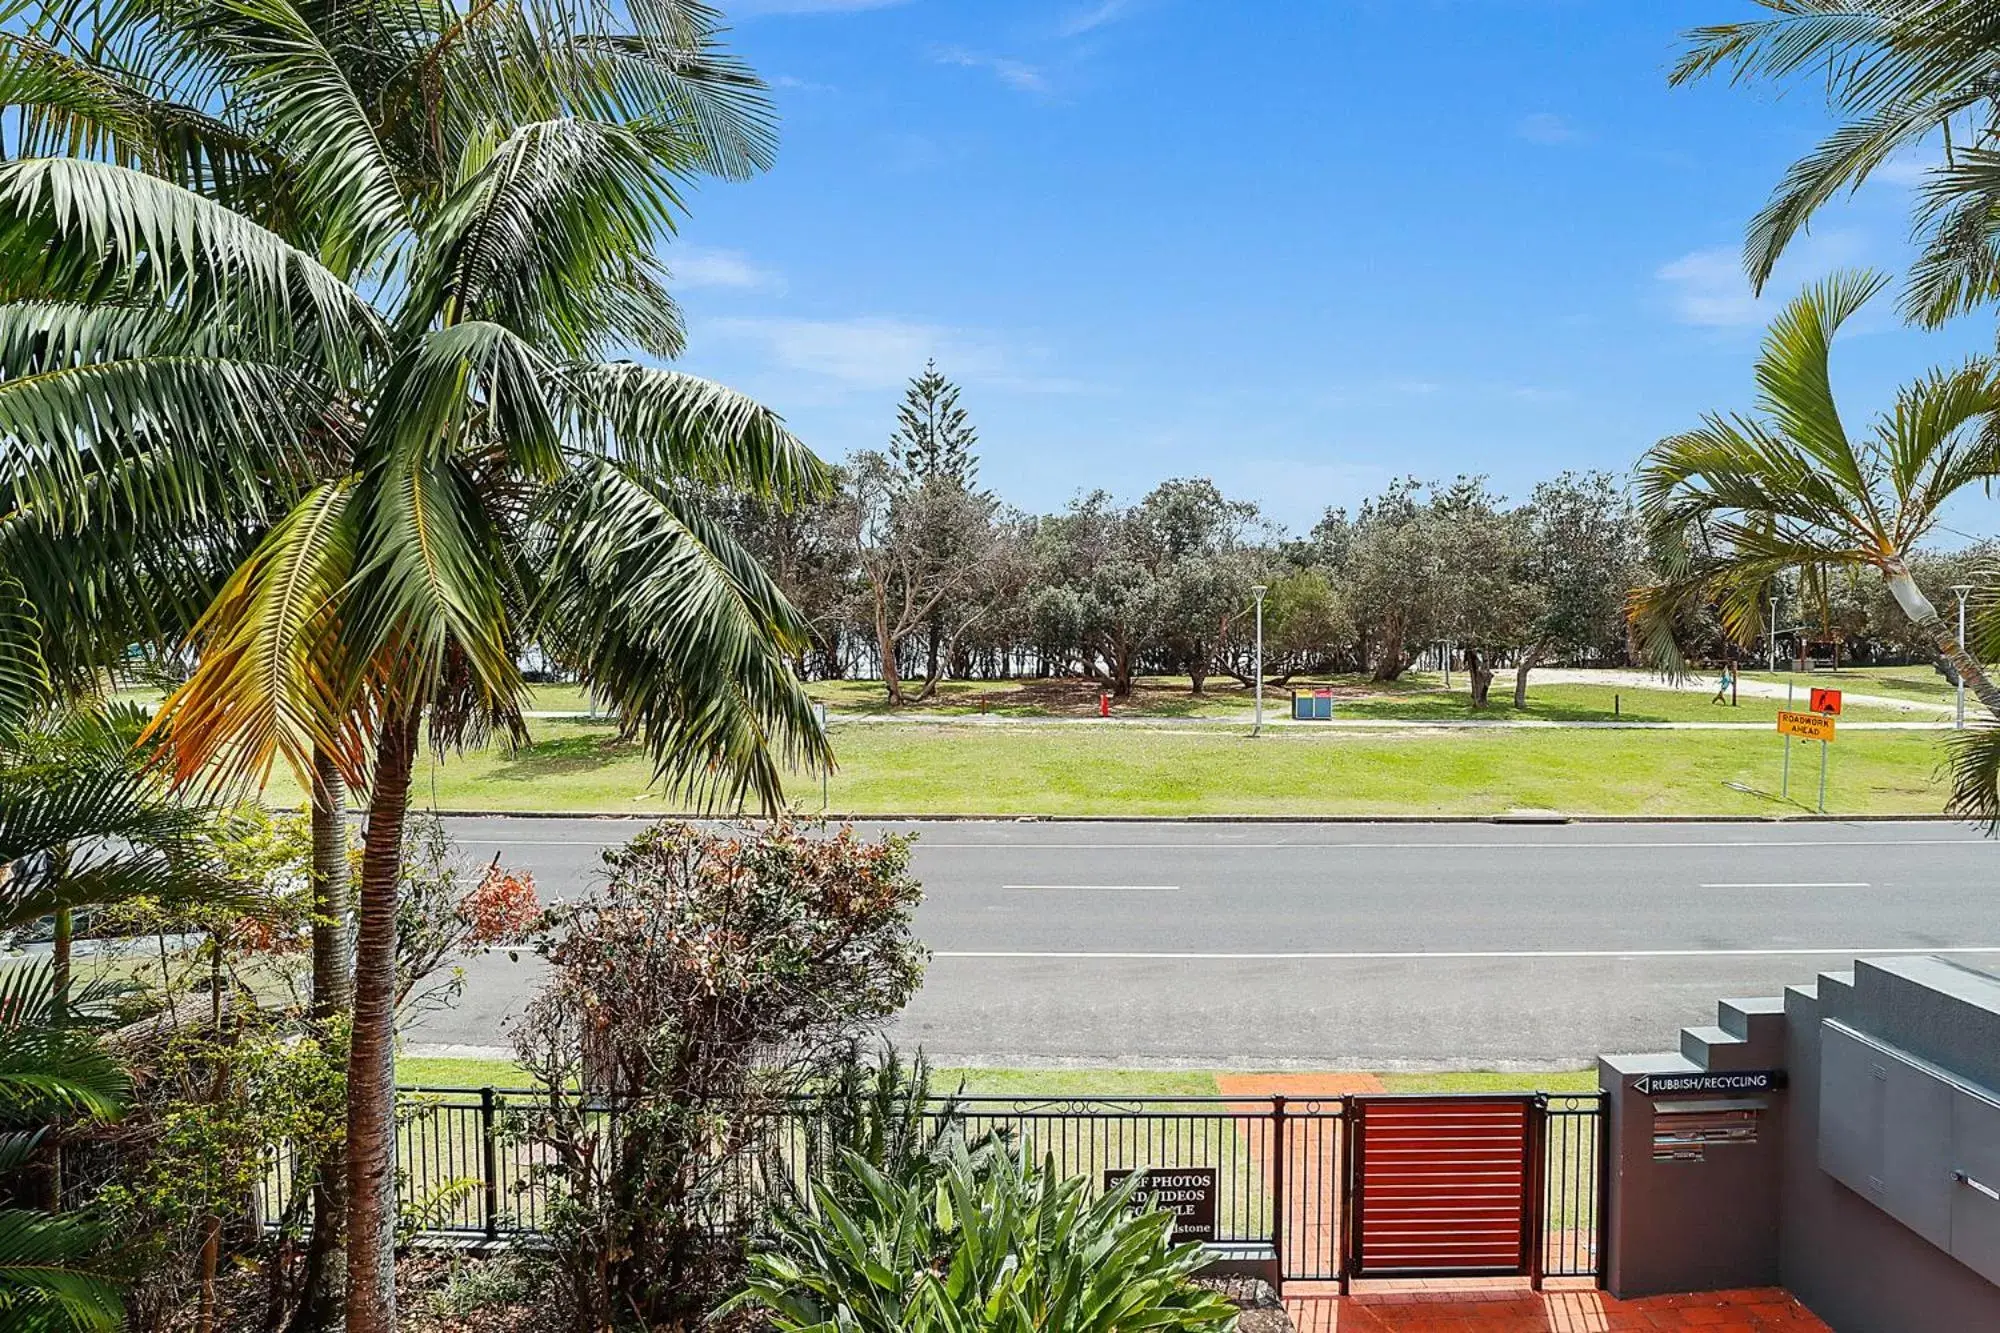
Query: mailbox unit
point(1915, 1140)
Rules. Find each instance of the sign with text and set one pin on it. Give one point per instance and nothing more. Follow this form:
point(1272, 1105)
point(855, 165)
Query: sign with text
point(1188, 1192)
point(1826, 701)
point(1709, 1084)
point(1806, 726)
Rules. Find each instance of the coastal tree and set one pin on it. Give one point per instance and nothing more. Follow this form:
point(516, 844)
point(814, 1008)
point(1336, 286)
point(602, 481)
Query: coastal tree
point(1742, 500)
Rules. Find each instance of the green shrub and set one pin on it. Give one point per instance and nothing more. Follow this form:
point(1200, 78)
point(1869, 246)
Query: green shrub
point(880, 1110)
point(994, 1245)
point(478, 1285)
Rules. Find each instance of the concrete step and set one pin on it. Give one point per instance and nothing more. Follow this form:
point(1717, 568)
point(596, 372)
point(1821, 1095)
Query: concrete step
point(1709, 1046)
point(1736, 1016)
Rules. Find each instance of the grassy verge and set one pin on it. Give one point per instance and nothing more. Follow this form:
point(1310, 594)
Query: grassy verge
point(1110, 771)
point(1486, 1080)
point(460, 1073)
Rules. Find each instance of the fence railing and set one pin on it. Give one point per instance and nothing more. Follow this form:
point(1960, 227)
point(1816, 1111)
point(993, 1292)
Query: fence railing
point(1280, 1165)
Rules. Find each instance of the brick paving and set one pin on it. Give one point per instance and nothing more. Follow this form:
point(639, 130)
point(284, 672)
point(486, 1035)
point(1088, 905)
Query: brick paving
point(1511, 1310)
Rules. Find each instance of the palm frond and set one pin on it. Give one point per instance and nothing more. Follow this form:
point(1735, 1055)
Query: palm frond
point(1805, 34)
point(272, 682)
point(1940, 439)
point(681, 628)
point(1896, 70)
point(1795, 378)
point(82, 823)
point(1958, 220)
point(658, 63)
point(282, 61)
point(201, 434)
point(47, 1279)
point(684, 426)
point(72, 228)
point(68, 104)
point(551, 236)
point(429, 552)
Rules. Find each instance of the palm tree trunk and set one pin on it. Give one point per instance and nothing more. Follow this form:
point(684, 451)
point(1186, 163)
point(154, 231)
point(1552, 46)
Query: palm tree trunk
point(332, 968)
point(371, 1058)
point(325, 1276)
point(61, 946)
point(1942, 636)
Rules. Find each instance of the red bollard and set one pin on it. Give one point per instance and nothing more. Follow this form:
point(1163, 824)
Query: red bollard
point(1103, 705)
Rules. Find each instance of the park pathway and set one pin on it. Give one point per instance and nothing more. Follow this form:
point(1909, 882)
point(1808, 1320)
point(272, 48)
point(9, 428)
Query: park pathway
point(1705, 684)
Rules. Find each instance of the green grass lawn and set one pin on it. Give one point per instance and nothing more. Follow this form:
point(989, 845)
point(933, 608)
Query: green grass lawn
point(580, 766)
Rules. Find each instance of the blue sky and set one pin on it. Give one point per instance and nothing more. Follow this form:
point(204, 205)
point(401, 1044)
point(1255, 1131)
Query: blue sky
point(1300, 246)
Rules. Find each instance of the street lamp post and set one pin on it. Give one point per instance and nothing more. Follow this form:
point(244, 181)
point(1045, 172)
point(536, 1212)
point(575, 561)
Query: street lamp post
point(1774, 633)
point(1961, 589)
point(1258, 592)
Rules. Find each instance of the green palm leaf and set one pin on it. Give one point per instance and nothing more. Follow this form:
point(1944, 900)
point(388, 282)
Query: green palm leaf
point(682, 629)
point(684, 426)
point(297, 89)
point(70, 227)
point(46, 1280)
point(562, 216)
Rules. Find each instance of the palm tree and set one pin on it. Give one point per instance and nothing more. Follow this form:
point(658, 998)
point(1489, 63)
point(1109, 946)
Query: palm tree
point(1740, 500)
point(84, 823)
point(50, 1066)
point(394, 270)
point(1899, 73)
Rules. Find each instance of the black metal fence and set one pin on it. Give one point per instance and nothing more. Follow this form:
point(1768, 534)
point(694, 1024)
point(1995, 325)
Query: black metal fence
point(1280, 1165)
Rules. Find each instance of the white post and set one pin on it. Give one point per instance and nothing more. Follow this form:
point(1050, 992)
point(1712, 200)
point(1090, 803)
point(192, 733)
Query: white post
point(1774, 634)
point(1259, 595)
point(1961, 589)
point(1258, 592)
point(1785, 784)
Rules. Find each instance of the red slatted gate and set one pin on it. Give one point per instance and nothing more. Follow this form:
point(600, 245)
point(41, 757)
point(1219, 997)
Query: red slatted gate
point(1443, 1187)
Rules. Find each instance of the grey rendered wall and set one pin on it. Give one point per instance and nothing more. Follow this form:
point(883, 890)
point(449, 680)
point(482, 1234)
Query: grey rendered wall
point(1711, 1225)
point(1858, 1268)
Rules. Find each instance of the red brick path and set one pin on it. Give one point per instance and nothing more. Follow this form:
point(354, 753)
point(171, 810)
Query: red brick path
point(1514, 1311)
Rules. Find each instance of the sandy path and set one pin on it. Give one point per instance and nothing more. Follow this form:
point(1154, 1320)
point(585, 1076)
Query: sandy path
point(1705, 684)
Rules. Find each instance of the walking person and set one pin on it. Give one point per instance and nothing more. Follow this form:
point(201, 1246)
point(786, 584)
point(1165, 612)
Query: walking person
point(1727, 683)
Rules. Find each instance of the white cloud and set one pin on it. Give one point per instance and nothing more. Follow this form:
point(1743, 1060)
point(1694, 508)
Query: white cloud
point(1094, 17)
point(800, 85)
point(692, 266)
point(882, 352)
point(1906, 169)
point(1545, 127)
point(1016, 74)
point(1709, 288)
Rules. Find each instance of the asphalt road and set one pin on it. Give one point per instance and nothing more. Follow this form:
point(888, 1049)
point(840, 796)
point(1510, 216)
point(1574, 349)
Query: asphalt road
point(1341, 946)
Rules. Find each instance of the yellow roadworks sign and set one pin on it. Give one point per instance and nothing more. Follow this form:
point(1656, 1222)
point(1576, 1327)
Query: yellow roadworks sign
point(1806, 726)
